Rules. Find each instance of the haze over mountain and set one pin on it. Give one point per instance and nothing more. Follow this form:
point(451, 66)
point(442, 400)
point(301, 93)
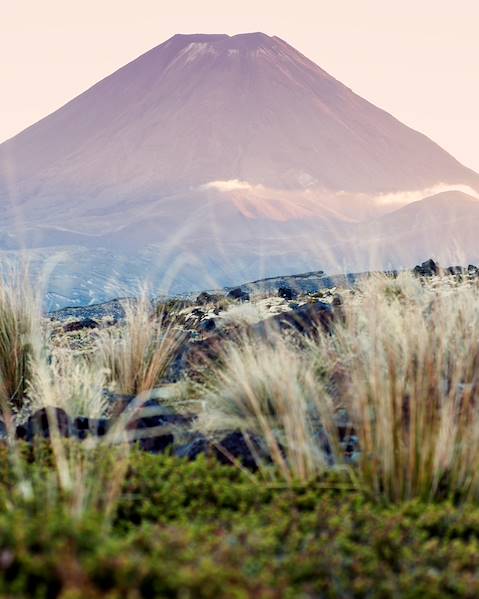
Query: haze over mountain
point(216, 158)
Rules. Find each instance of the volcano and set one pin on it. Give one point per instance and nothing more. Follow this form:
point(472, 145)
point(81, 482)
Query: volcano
point(227, 156)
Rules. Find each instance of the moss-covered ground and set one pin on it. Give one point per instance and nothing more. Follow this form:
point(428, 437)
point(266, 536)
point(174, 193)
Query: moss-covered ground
point(202, 530)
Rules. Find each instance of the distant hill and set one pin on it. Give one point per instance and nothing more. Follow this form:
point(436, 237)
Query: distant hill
point(444, 226)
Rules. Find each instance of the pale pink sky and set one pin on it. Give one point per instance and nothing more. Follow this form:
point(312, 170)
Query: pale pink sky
point(418, 59)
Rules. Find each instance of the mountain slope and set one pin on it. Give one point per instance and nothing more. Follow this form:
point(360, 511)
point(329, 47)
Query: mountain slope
point(203, 108)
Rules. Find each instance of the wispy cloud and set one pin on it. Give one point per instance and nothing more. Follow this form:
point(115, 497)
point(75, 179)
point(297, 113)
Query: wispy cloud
point(407, 197)
point(229, 185)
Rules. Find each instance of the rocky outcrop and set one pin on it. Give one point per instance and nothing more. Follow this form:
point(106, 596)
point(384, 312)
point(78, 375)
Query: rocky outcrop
point(78, 325)
point(429, 268)
point(307, 319)
point(239, 295)
point(287, 293)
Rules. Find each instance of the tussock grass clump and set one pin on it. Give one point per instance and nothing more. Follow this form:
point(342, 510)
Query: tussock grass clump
point(402, 364)
point(269, 389)
point(409, 358)
point(73, 382)
point(137, 355)
point(19, 335)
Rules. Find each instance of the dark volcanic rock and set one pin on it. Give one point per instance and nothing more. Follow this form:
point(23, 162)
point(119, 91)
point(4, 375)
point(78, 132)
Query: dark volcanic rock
point(235, 447)
point(455, 270)
point(200, 353)
point(427, 269)
point(38, 424)
point(154, 425)
point(307, 320)
point(431, 268)
point(208, 298)
point(84, 427)
point(197, 446)
point(239, 294)
point(207, 325)
point(152, 414)
point(152, 441)
point(113, 309)
point(78, 325)
point(204, 298)
point(287, 293)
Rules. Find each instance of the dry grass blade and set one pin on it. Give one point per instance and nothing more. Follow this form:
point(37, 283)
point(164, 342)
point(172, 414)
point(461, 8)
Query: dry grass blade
point(19, 334)
point(410, 360)
point(269, 390)
point(75, 383)
point(138, 354)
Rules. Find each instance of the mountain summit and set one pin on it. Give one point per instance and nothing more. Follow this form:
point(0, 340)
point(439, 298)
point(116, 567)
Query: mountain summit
point(206, 134)
point(202, 108)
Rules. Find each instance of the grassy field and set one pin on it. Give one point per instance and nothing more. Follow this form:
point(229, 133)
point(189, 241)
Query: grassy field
point(392, 512)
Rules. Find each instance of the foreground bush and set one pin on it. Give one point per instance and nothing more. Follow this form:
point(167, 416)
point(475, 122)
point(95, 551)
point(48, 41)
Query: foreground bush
point(269, 388)
point(407, 355)
point(19, 338)
point(201, 530)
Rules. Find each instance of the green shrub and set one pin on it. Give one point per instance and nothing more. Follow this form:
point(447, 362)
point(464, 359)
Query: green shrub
point(202, 530)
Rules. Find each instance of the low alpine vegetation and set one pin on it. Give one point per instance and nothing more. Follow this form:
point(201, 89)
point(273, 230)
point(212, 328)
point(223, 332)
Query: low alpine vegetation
point(323, 450)
point(137, 355)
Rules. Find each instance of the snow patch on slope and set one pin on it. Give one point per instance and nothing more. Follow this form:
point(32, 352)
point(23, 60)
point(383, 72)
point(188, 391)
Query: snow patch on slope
point(196, 49)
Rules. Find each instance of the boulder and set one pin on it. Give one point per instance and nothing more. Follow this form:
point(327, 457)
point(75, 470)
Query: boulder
point(200, 353)
point(119, 403)
point(197, 446)
point(153, 427)
point(84, 427)
point(455, 270)
point(429, 268)
point(207, 325)
point(154, 442)
point(232, 448)
point(287, 293)
point(239, 295)
point(208, 298)
point(38, 424)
